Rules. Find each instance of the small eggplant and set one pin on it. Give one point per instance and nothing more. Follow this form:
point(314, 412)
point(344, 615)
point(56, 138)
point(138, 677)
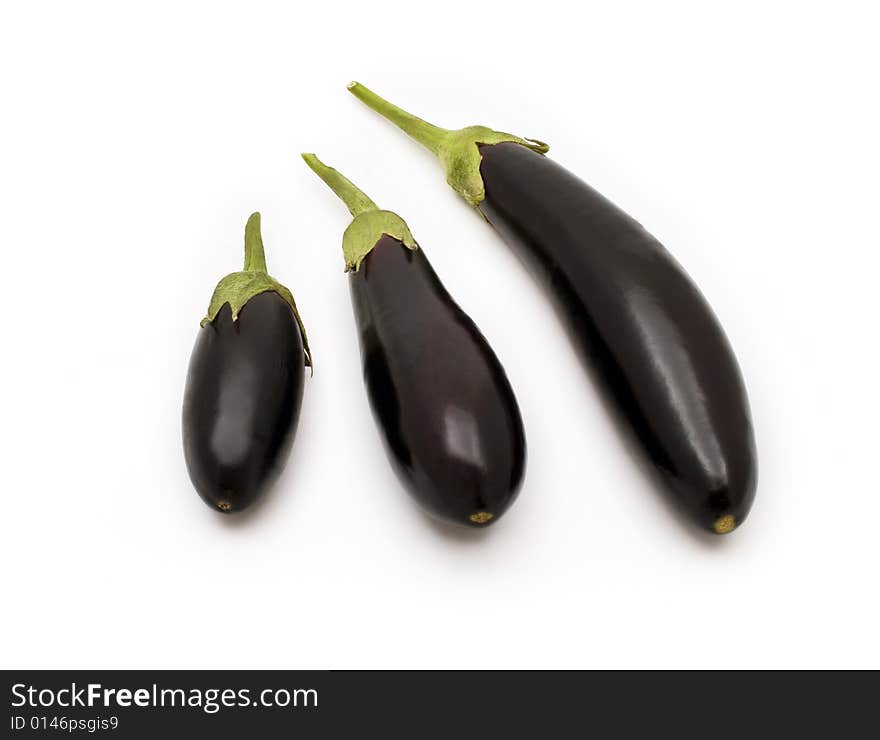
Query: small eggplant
point(631, 310)
point(244, 386)
point(450, 422)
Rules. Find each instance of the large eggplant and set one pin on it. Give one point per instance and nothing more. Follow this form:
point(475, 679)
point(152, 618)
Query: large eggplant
point(447, 414)
point(244, 386)
point(630, 308)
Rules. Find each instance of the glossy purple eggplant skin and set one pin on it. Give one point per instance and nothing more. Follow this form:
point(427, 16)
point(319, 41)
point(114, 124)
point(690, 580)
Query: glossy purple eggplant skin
point(447, 413)
point(244, 390)
point(634, 314)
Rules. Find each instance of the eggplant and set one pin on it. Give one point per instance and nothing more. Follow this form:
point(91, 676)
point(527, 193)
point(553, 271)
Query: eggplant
point(632, 312)
point(244, 386)
point(443, 404)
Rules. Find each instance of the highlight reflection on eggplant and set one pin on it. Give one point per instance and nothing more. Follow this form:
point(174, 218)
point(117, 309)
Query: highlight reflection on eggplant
point(244, 386)
point(441, 399)
point(630, 309)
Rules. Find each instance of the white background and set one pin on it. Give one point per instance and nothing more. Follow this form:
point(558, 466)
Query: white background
point(136, 141)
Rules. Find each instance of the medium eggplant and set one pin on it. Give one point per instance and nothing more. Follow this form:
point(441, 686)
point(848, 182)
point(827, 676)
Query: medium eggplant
point(631, 310)
point(445, 409)
point(244, 386)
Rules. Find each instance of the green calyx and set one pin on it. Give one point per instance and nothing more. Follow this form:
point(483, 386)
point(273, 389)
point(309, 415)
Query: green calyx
point(370, 223)
point(238, 288)
point(365, 232)
point(458, 150)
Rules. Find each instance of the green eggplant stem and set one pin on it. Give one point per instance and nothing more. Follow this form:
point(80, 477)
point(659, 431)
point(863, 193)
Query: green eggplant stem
point(370, 223)
point(354, 198)
point(254, 255)
point(457, 149)
point(427, 134)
